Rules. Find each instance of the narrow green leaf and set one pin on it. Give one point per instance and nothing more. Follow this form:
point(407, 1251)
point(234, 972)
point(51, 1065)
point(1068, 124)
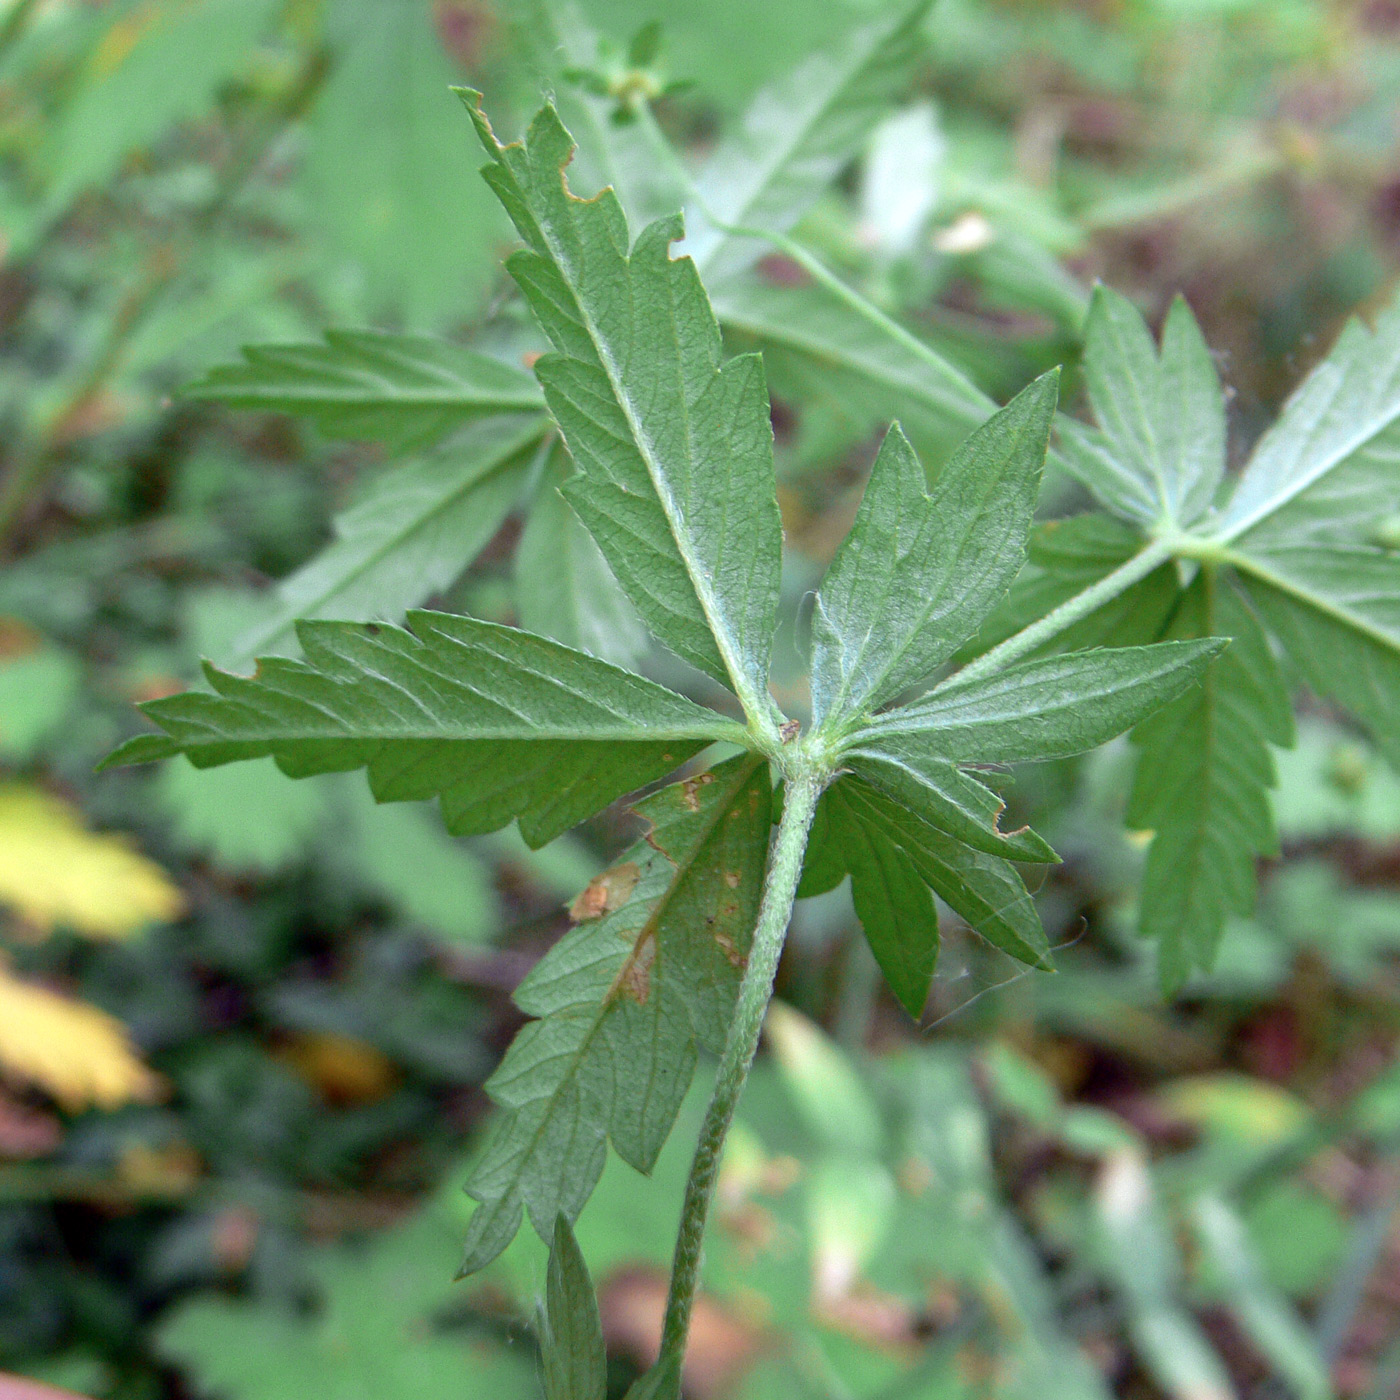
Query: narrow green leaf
point(1061, 705)
point(1336, 608)
point(402, 390)
point(919, 571)
point(894, 906)
point(571, 1341)
point(564, 587)
point(984, 889)
point(496, 723)
point(1325, 469)
point(412, 534)
point(940, 793)
point(798, 134)
point(1159, 450)
point(650, 972)
point(673, 444)
point(1202, 783)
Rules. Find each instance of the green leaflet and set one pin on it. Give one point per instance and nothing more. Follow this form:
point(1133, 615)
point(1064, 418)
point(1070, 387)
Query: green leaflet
point(1326, 469)
point(938, 791)
point(405, 391)
point(1051, 708)
point(494, 722)
point(984, 889)
point(1202, 783)
point(892, 900)
point(919, 571)
point(411, 535)
point(571, 1335)
point(1158, 453)
point(623, 1001)
point(797, 136)
point(673, 445)
point(564, 587)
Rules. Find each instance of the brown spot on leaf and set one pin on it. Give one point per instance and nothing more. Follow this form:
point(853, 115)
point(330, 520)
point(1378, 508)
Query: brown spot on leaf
point(605, 892)
point(731, 878)
point(730, 950)
point(635, 978)
point(690, 790)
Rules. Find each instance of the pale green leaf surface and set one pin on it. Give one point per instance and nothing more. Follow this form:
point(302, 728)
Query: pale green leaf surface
point(495, 722)
point(571, 1340)
point(410, 536)
point(797, 135)
point(404, 391)
point(564, 587)
point(1326, 469)
point(1052, 708)
point(919, 571)
point(387, 175)
point(1159, 450)
point(1202, 783)
point(623, 1001)
point(938, 791)
point(673, 445)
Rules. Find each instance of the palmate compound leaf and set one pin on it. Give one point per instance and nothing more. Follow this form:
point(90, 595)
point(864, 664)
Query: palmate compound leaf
point(915, 577)
point(673, 444)
point(1298, 547)
point(919, 570)
point(496, 723)
point(623, 1002)
point(405, 391)
point(907, 820)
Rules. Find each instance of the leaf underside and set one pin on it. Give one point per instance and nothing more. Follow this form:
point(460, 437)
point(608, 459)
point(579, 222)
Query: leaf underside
point(623, 1003)
point(494, 722)
point(673, 444)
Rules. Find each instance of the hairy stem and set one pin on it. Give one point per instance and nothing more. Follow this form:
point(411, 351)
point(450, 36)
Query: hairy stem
point(755, 991)
point(1070, 611)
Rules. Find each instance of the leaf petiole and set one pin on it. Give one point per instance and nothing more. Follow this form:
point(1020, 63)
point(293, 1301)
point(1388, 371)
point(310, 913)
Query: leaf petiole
point(1131, 571)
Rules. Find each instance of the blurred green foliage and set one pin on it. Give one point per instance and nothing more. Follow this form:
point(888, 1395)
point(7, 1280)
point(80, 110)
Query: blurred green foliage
point(1066, 1188)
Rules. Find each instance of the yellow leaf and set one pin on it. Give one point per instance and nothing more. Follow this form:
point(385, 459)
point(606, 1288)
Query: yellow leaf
point(53, 871)
point(77, 1053)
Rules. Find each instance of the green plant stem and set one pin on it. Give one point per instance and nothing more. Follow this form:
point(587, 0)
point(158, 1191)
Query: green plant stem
point(1131, 571)
point(755, 991)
